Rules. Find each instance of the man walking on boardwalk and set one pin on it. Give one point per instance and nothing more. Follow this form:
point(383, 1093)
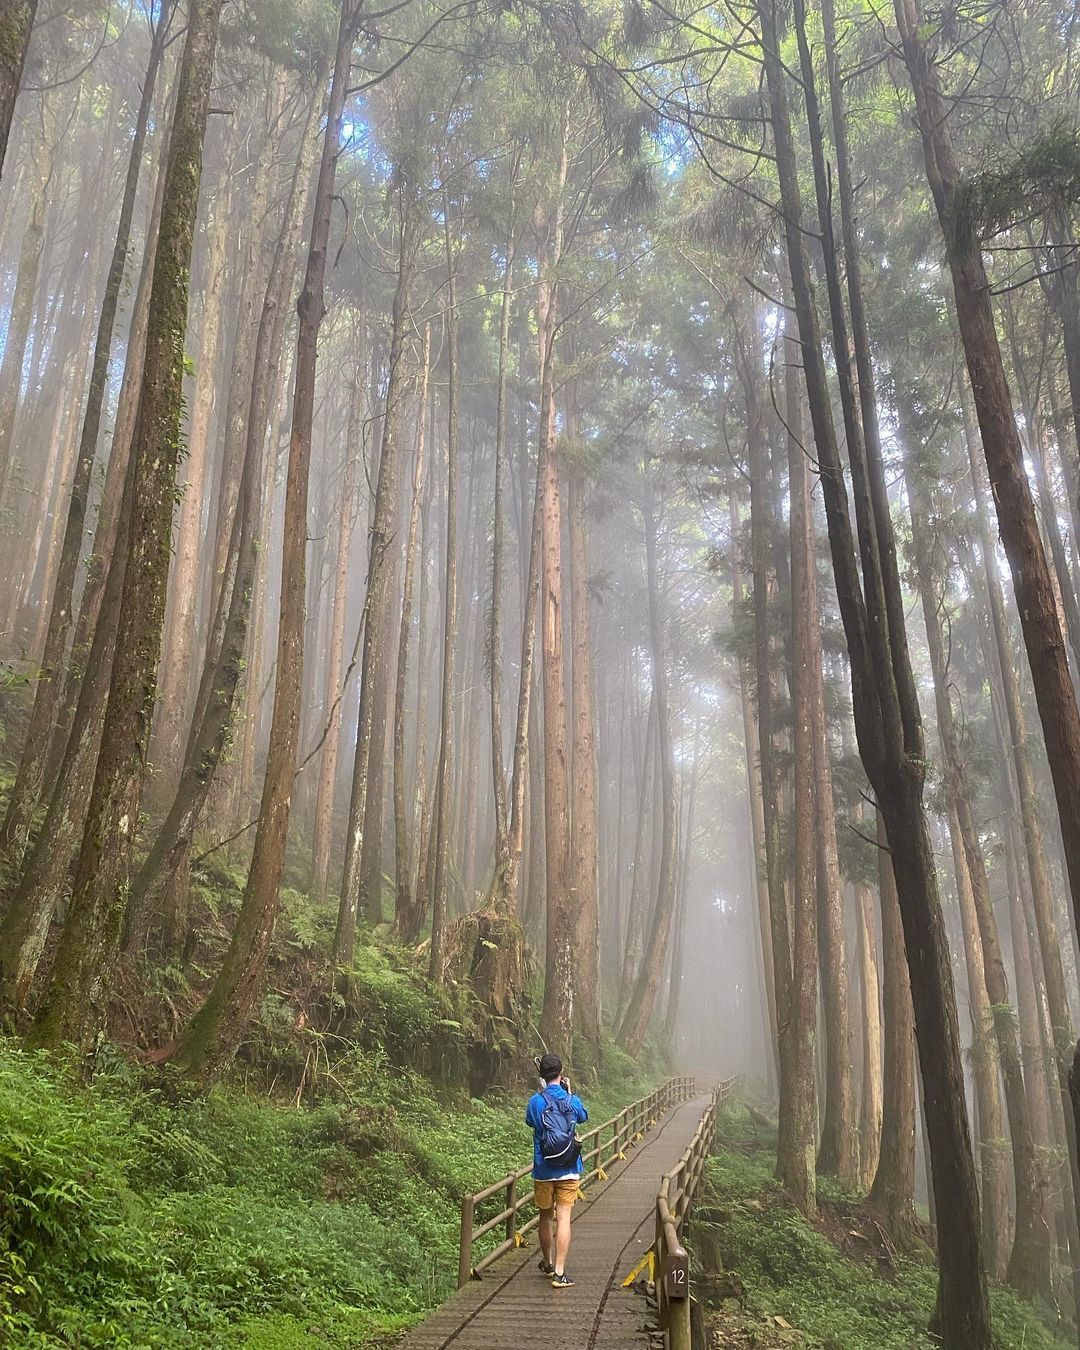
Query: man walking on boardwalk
point(553, 1114)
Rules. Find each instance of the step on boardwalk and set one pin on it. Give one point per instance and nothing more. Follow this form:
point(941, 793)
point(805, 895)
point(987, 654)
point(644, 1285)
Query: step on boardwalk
point(514, 1308)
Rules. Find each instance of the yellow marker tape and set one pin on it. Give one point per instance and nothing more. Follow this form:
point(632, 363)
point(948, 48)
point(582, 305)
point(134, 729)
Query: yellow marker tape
point(601, 1174)
point(648, 1261)
point(621, 1156)
point(638, 1136)
point(519, 1241)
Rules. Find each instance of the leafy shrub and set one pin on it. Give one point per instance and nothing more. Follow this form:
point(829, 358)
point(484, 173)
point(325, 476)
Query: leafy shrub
point(138, 1213)
point(70, 1239)
point(790, 1268)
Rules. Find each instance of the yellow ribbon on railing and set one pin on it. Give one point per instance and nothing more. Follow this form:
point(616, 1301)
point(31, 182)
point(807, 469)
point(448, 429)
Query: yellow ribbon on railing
point(647, 1261)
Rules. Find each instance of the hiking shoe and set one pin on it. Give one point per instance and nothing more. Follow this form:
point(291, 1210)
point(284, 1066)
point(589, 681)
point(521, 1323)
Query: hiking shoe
point(561, 1282)
point(545, 1269)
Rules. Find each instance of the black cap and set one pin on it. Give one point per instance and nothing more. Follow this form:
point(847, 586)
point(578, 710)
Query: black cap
point(550, 1067)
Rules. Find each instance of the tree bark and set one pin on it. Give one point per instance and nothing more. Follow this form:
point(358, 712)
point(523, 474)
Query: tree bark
point(893, 1191)
point(796, 1148)
point(635, 1023)
point(404, 908)
point(106, 532)
point(440, 870)
point(178, 652)
point(1054, 693)
point(584, 855)
point(498, 545)
point(889, 733)
point(213, 1035)
point(870, 1101)
point(26, 920)
point(755, 802)
point(75, 1007)
point(776, 924)
point(347, 513)
point(165, 866)
point(21, 312)
point(1028, 800)
point(992, 1015)
point(16, 25)
point(377, 606)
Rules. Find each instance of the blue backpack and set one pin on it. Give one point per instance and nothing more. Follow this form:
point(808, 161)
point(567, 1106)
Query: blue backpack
point(559, 1144)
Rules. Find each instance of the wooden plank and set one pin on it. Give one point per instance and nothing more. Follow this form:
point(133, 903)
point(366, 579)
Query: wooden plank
point(514, 1308)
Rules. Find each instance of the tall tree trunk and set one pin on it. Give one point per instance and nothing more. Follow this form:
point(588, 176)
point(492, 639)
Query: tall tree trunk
point(837, 1152)
point(377, 606)
point(31, 774)
point(178, 651)
point(1054, 694)
point(796, 1148)
point(635, 1023)
point(106, 531)
point(889, 733)
point(637, 909)
point(678, 950)
point(214, 1033)
point(762, 529)
point(440, 869)
point(16, 25)
point(506, 881)
point(498, 546)
point(892, 1193)
point(75, 1007)
point(404, 908)
point(870, 1102)
point(1028, 800)
point(21, 313)
point(26, 920)
point(166, 864)
point(755, 800)
point(347, 513)
point(992, 1014)
point(584, 856)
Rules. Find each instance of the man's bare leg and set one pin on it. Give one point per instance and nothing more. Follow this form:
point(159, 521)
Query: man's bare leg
point(562, 1235)
point(547, 1235)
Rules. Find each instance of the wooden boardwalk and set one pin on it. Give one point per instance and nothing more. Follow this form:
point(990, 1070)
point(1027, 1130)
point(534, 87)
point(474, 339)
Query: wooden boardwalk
point(514, 1308)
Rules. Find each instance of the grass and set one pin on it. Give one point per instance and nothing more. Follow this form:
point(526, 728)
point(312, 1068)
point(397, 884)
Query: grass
point(136, 1213)
point(788, 1267)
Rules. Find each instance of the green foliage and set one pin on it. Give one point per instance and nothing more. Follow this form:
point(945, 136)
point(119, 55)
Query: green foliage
point(139, 1213)
point(1043, 177)
point(789, 1267)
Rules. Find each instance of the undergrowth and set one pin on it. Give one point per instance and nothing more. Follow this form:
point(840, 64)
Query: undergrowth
point(790, 1268)
point(135, 1212)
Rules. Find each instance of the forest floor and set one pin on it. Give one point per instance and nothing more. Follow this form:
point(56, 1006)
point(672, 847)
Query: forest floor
point(772, 1279)
point(281, 1210)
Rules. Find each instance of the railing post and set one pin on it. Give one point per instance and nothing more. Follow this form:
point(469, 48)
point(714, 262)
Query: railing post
point(511, 1205)
point(661, 1283)
point(678, 1328)
point(464, 1270)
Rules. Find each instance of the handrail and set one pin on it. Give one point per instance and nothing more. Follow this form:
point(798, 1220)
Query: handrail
point(677, 1187)
point(625, 1128)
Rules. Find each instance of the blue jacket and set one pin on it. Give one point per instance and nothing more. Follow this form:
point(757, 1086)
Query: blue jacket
point(534, 1112)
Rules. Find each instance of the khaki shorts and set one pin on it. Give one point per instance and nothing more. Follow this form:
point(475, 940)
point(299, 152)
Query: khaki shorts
point(548, 1194)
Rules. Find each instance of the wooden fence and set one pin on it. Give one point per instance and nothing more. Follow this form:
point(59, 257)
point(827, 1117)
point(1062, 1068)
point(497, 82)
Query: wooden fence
point(672, 1262)
point(601, 1146)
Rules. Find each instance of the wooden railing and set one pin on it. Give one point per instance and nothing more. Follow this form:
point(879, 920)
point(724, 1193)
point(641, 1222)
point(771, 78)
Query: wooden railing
point(672, 1262)
point(600, 1147)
